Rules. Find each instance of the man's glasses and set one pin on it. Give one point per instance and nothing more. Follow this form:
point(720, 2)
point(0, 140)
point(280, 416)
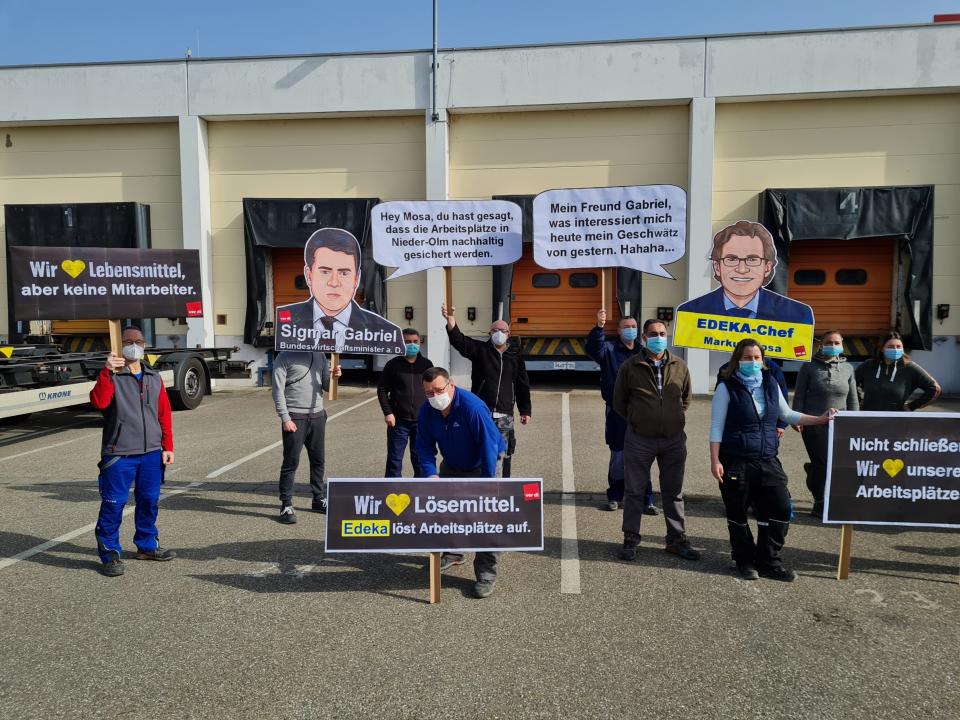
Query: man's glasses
point(141, 343)
point(433, 393)
point(750, 261)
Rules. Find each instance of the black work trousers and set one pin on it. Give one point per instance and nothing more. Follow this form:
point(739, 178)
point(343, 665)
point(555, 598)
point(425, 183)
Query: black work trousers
point(762, 484)
point(310, 435)
point(815, 440)
point(484, 563)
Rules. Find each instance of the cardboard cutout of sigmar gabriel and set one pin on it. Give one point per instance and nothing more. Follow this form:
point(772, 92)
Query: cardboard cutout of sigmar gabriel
point(744, 259)
point(331, 320)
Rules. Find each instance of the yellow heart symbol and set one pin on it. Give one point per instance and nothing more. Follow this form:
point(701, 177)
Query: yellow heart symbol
point(73, 267)
point(398, 503)
point(893, 466)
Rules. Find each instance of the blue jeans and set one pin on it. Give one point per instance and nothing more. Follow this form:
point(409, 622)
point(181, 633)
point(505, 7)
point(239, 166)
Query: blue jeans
point(615, 480)
point(117, 474)
point(397, 438)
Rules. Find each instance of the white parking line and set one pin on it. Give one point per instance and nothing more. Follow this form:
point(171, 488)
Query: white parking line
point(257, 453)
point(569, 547)
point(47, 447)
point(26, 554)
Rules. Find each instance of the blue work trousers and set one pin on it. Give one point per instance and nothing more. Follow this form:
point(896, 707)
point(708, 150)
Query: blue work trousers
point(117, 474)
point(398, 436)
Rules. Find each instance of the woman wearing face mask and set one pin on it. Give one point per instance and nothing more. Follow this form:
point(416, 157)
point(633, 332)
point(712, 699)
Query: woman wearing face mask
point(743, 459)
point(887, 381)
point(824, 382)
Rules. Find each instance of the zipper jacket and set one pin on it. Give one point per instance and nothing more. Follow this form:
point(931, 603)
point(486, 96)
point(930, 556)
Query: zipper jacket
point(653, 400)
point(497, 378)
point(136, 413)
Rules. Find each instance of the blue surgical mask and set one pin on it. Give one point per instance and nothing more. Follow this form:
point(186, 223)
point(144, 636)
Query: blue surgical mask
point(751, 368)
point(656, 345)
point(831, 350)
point(893, 354)
point(628, 334)
point(412, 349)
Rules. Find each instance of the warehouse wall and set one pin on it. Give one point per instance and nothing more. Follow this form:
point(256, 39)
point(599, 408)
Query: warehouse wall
point(528, 152)
point(898, 140)
point(336, 158)
point(94, 163)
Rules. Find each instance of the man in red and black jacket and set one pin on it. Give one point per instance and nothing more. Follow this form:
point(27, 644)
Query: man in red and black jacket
point(137, 445)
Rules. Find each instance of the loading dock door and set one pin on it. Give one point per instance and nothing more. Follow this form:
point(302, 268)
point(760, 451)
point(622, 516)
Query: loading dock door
point(849, 284)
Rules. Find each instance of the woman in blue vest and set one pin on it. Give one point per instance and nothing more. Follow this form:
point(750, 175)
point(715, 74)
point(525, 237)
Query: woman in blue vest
point(743, 458)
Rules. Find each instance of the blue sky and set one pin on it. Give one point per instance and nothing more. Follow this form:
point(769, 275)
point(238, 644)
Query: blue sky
point(57, 31)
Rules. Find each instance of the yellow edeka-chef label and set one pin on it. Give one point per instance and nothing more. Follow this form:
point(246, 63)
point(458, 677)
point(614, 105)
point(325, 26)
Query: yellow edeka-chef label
point(365, 528)
point(792, 341)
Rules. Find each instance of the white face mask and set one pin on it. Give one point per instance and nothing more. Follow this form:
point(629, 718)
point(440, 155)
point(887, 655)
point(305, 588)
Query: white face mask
point(440, 402)
point(499, 337)
point(133, 352)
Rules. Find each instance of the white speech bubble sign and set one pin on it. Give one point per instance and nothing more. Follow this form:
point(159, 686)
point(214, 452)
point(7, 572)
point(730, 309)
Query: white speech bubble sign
point(643, 227)
point(414, 235)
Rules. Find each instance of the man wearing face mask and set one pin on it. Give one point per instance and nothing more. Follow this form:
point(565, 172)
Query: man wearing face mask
point(610, 355)
point(498, 376)
point(459, 424)
point(400, 392)
point(652, 394)
point(137, 445)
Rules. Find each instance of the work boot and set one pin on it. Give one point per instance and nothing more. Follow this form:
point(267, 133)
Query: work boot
point(112, 568)
point(287, 515)
point(158, 554)
point(681, 548)
point(778, 572)
point(629, 551)
point(483, 588)
point(747, 572)
point(319, 506)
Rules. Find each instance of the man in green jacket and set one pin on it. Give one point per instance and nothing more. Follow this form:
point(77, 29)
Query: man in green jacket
point(652, 393)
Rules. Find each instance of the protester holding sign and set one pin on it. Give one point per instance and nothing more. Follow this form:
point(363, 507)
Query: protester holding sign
point(137, 444)
point(652, 394)
point(888, 380)
point(400, 392)
point(498, 377)
point(743, 459)
point(825, 382)
point(459, 424)
point(299, 380)
point(610, 355)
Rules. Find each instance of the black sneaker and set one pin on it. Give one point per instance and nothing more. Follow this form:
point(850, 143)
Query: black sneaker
point(651, 510)
point(288, 515)
point(112, 568)
point(778, 572)
point(747, 572)
point(628, 552)
point(319, 506)
point(448, 561)
point(158, 554)
point(610, 505)
point(682, 548)
point(483, 588)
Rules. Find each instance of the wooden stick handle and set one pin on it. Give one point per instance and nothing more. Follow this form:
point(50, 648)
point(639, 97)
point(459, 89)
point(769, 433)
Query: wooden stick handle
point(605, 282)
point(846, 544)
point(434, 578)
point(448, 285)
point(334, 380)
point(116, 338)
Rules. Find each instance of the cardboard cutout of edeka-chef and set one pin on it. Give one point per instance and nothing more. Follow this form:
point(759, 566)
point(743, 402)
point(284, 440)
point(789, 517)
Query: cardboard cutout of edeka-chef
point(744, 258)
point(331, 320)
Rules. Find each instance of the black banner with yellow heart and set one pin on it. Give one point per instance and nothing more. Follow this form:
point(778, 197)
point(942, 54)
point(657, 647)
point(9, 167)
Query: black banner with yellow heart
point(894, 468)
point(75, 283)
point(451, 514)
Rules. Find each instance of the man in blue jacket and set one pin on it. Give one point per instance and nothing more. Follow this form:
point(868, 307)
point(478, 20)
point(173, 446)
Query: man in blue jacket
point(459, 424)
point(609, 355)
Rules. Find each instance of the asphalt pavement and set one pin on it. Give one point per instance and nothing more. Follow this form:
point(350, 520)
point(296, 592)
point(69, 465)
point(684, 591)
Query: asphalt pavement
point(253, 620)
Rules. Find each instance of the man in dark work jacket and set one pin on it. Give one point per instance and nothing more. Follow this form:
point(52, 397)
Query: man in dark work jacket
point(400, 392)
point(498, 376)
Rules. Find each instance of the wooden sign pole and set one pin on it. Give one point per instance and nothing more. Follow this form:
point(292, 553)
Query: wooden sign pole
point(116, 338)
point(334, 364)
point(435, 581)
point(605, 280)
point(846, 543)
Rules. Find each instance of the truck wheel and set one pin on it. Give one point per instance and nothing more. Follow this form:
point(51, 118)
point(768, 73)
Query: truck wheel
point(189, 386)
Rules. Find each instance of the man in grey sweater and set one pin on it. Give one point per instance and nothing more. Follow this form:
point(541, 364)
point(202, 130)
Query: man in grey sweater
point(299, 380)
